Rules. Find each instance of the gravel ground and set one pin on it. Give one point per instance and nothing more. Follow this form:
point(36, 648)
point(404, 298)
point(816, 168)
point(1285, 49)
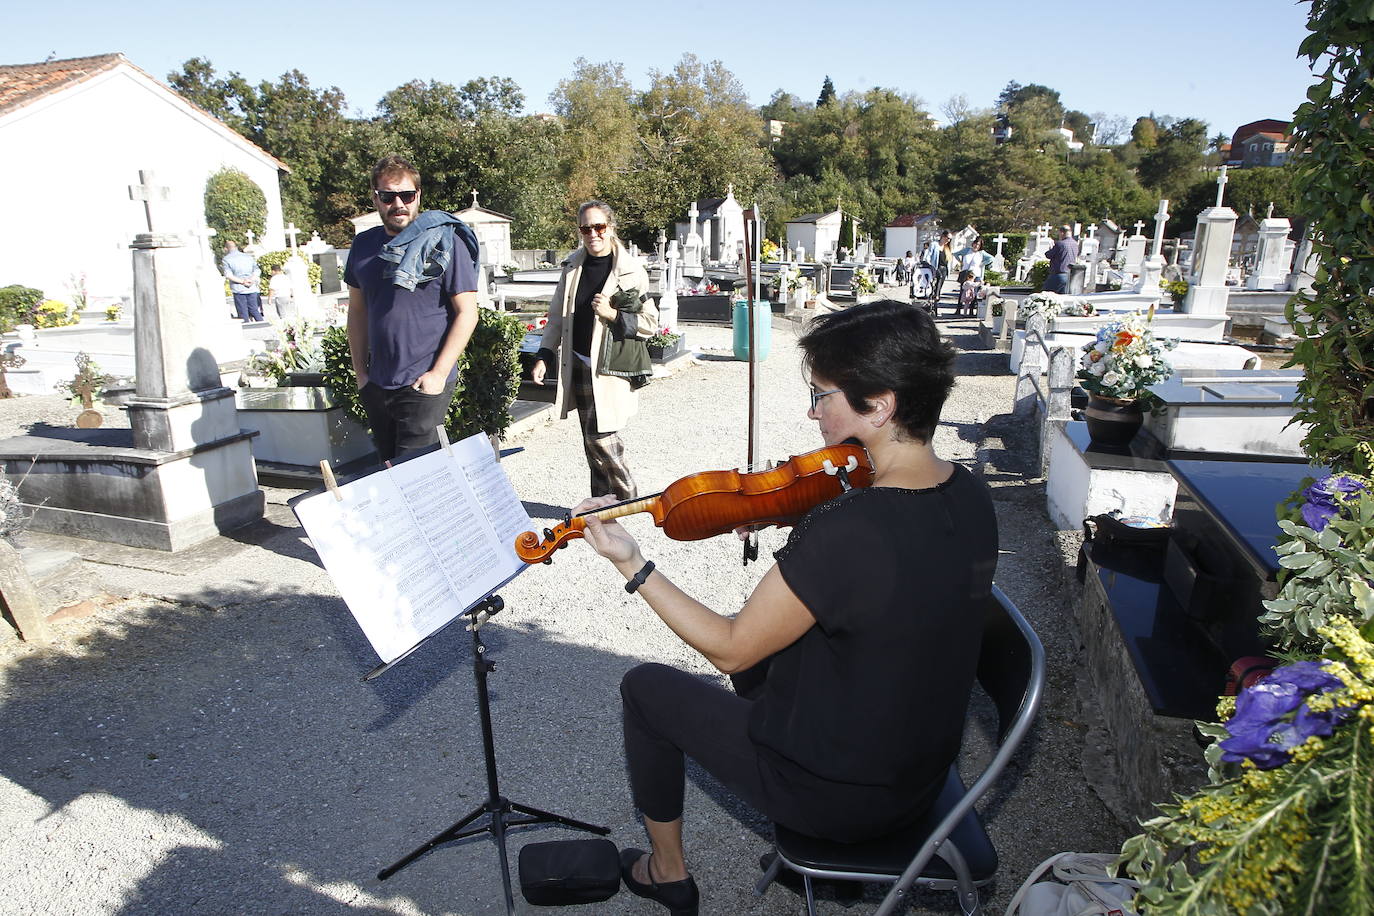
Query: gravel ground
point(201, 743)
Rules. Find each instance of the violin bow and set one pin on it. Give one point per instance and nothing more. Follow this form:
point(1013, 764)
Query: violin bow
point(751, 252)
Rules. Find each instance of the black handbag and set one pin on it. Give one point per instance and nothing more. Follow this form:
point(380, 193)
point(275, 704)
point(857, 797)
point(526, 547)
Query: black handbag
point(569, 872)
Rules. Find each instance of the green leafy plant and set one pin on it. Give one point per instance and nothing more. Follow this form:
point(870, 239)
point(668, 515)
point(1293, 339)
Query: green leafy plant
point(1285, 825)
point(994, 277)
point(1039, 273)
point(234, 205)
point(1177, 290)
point(18, 305)
point(488, 376)
point(271, 259)
point(663, 337)
point(1333, 175)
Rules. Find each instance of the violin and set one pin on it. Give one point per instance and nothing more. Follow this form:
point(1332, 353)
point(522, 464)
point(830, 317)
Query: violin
point(709, 503)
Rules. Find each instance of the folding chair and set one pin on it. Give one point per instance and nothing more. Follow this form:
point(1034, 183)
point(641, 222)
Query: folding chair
point(948, 849)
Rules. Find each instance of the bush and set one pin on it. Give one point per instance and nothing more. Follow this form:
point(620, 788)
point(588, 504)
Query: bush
point(18, 305)
point(278, 259)
point(994, 277)
point(1013, 249)
point(234, 204)
point(1039, 273)
point(488, 376)
point(1177, 290)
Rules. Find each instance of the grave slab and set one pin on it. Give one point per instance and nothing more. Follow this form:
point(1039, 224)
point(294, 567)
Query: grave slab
point(1084, 480)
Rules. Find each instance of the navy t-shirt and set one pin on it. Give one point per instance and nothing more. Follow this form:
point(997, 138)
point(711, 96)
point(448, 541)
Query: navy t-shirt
point(405, 328)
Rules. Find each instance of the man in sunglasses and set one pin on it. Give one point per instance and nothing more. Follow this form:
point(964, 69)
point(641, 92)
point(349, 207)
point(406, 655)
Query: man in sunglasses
point(412, 306)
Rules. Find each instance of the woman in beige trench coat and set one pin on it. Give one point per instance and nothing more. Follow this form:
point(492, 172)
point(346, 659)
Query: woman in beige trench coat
point(598, 319)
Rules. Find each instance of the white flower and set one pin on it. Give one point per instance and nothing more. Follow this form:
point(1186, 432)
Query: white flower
point(1098, 368)
point(1144, 360)
point(1111, 378)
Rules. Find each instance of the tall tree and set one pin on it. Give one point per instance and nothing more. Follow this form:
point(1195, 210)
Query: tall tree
point(1176, 160)
point(601, 135)
point(827, 92)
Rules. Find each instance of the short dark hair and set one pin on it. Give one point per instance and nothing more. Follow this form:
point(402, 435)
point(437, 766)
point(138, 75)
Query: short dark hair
point(884, 346)
point(394, 167)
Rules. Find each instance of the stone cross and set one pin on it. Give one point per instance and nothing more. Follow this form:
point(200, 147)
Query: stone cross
point(292, 231)
point(1161, 217)
point(1000, 241)
point(1221, 185)
point(473, 192)
point(1269, 214)
point(251, 235)
point(1139, 224)
point(151, 194)
point(730, 189)
point(1044, 229)
point(86, 388)
point(1092, 230)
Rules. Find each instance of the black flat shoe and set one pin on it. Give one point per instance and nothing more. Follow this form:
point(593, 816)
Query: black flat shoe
point(680, 897)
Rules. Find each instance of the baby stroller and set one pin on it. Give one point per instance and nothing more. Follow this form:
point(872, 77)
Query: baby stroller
point(923, 285)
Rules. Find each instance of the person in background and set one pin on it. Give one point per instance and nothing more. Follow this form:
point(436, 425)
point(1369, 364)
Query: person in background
point(243, 273)
point(1061, 254)
point(279, 291)
point(412, 307)
point(599, 318)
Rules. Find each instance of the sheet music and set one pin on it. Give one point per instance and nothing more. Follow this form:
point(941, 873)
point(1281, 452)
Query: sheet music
point(413, 546)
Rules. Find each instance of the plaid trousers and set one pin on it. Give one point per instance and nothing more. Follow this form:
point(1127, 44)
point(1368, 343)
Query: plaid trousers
point(605, 451)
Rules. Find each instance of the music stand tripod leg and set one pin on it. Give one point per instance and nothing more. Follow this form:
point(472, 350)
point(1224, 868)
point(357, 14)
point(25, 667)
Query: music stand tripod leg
point(496, 808)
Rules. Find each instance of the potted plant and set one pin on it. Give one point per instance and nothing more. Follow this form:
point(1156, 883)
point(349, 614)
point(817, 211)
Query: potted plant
point(664, 344)
point(1117, 369)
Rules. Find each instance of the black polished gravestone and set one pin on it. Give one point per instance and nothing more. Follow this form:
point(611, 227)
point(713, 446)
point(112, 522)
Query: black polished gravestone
point(329, 272)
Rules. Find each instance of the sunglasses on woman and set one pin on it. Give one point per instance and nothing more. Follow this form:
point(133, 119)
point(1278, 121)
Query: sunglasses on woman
point(598, 228)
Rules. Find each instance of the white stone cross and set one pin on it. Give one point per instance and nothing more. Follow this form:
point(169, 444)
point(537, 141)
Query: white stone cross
point(1044, 229)
point(292, 231)
point(1092, 230)
point(251, 235)
point(1139, 224)
point(1270, 213)
point(1221, 185)
point(730, 189)
point(1161, 217)
point(473, 192)
point(1000, 241)
point(150, 193)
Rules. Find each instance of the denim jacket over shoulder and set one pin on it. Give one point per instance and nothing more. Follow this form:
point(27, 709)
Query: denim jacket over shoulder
point(421, 251)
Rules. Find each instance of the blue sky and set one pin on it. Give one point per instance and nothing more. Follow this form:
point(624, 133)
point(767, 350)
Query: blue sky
point(1223, 61)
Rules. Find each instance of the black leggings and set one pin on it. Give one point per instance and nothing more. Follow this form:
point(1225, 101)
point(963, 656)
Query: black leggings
point(669, 714)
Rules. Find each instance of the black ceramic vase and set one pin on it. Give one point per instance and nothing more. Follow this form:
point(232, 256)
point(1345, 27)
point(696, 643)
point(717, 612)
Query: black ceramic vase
point(1113, 422)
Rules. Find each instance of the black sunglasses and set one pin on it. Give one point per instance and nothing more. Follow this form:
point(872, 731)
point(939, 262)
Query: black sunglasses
point(386, 197)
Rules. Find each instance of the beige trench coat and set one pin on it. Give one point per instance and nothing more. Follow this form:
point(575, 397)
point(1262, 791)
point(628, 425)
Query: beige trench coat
point(615, 401)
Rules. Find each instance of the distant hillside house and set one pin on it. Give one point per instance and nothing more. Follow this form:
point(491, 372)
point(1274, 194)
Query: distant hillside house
point(81, 130)
point(1269, 132)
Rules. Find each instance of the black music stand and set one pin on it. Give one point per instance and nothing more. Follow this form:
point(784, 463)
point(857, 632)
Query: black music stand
point(501, 812)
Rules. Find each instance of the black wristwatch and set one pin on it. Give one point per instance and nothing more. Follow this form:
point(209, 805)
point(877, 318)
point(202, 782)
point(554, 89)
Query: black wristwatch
point(640, 577)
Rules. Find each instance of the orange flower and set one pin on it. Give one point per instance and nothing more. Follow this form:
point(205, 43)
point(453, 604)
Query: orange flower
point(1123, 340)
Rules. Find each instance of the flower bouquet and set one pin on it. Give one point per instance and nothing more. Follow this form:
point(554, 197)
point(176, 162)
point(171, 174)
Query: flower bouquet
point(664, 337)
point(863, 284)
point(1047, 304)
point(1125, 359)
point(1078, 308)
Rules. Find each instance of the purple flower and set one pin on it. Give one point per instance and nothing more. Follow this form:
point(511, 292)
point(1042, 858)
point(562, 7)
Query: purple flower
point(1322, 500)
point(1264, 728)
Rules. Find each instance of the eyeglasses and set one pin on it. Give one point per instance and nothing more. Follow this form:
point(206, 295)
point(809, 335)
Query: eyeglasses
point(598, 228)
point(386, 197)
point(817, 395)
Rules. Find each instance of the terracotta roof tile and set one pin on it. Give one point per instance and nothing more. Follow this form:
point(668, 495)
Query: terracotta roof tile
point(21, 84)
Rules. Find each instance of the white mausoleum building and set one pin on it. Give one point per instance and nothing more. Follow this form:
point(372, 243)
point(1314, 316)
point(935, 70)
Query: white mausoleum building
point(82, 129)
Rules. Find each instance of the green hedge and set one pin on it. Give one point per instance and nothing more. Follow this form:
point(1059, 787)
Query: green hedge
point(488, 376)
point(18, 305)
point(234, 204)
point(278, 259)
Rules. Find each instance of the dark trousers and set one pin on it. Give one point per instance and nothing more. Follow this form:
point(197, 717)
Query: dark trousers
point(937, 287)
point(610, 475)
point(1056, 283)
point(404, 421)
point(670, 713)
point(249, 306)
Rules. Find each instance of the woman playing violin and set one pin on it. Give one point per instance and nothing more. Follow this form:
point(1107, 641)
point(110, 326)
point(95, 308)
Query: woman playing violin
point(856, 653)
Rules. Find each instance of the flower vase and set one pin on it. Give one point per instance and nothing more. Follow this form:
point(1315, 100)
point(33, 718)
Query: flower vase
point(1113, 422)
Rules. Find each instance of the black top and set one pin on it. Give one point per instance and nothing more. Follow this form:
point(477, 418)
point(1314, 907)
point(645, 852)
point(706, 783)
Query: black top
point(592, 281)
point(868, 707)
